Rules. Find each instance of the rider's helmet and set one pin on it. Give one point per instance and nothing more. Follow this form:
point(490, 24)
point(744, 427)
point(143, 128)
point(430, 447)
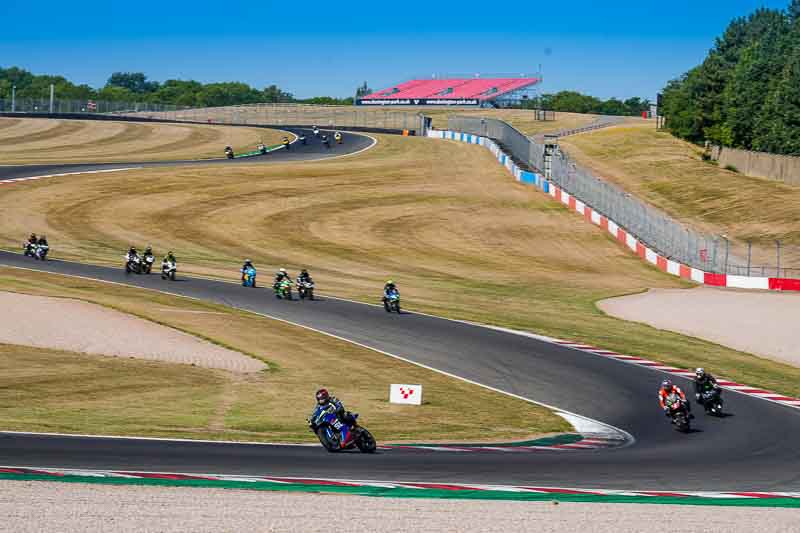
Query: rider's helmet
point(132, 250)
point(666, 385)
point(282, 271)
point(33, 236)
point(148, 250)
point(169, 254)
point(304, 272)
point(247, 262)
point(389, 282)
point(700, 373)
point(42, 237)
point(323, 396)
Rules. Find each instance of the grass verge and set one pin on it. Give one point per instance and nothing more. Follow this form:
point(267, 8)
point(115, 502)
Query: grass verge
point(56, 391)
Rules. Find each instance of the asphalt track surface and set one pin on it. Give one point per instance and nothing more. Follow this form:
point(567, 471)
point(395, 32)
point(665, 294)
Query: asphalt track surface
point(755, 448)
point(312, 150)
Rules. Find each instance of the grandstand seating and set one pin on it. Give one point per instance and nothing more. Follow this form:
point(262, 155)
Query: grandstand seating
point(454, 88)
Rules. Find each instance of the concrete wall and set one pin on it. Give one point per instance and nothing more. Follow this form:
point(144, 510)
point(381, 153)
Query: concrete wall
point(759, 164)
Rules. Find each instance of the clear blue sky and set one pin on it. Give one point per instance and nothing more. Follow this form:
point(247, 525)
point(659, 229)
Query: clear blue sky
point(623, 48)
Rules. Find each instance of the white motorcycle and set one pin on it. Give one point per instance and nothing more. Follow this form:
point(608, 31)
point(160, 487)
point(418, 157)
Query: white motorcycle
point(305, 288)
point(147, 263)
point(133, 264)
point(168, 269)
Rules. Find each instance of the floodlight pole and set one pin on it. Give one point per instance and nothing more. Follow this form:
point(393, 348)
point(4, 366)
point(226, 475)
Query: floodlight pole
point(13, 98)
point(52, 95)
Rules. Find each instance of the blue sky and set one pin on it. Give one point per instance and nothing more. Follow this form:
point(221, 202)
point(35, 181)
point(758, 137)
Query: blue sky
point(624, 48)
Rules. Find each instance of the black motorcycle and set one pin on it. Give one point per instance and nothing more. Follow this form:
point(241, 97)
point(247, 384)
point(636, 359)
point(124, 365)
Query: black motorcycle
point(229, 152)
point(711, 400)
point(679, 413)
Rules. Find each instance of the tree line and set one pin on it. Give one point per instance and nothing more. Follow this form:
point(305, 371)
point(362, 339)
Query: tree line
point(136, 87)
point(746, 93)
point(575, 102)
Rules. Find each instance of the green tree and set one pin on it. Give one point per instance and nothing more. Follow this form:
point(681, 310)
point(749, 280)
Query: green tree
point(136, 82)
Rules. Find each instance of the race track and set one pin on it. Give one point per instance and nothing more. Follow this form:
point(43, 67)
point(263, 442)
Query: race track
point(753, 449)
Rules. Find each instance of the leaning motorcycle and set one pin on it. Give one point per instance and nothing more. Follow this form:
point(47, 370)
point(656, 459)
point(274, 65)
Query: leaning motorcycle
point(678, 412)
point(391, 302)
point(229, 152)
point(283, 289)
point(711, 400)
point(335, 435)
point(249, 277)
point(305, 288)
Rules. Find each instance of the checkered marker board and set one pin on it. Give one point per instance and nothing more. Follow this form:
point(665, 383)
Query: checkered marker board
point(407, 394)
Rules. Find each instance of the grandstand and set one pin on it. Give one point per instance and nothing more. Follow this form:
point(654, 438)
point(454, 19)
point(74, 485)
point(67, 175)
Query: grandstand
point(495, 91)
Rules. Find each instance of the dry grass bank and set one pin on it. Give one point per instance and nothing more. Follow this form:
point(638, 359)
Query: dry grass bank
point(38, 140)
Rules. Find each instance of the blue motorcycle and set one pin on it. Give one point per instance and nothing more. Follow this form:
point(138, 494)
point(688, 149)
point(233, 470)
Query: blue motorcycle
point(391, 301)
point(336, 435)
point(249, 277)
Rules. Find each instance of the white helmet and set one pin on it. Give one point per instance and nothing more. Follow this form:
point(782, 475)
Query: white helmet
point(700, 372)
point(283, 270)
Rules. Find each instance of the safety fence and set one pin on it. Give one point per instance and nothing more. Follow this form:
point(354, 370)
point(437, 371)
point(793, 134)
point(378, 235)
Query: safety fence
point(250, 114)
point(671, 239)
point(620, 234)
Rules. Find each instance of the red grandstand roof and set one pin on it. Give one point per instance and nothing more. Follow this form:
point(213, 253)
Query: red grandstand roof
point(454, 88)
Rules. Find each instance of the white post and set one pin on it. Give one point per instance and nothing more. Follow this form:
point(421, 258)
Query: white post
point(52, 95)
point(13, 98)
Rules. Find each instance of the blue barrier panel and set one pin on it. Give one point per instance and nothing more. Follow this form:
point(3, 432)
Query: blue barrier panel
point(546, 186)
point(528, 177)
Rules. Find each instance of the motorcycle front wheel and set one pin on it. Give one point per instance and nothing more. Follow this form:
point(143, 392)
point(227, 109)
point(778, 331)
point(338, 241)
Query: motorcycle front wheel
point(326, 442)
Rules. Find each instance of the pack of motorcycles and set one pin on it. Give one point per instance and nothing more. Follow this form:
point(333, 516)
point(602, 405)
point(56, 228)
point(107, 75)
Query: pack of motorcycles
point(333, 434)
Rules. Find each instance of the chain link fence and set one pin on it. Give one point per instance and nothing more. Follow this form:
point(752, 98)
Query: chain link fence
point(329, 117)
point(708, 252)
point(298, 115)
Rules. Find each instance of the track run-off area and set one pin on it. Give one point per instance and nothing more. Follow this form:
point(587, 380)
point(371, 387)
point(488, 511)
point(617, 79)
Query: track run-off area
point(749, 452)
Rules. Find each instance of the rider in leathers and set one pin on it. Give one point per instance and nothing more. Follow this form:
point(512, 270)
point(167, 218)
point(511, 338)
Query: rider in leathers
point(703, 382)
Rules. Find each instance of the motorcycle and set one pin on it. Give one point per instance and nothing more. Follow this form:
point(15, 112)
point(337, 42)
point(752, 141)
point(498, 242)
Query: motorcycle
point(133, 264)
point(338, 137)
point(678, 412)
point(391, 302)
point(262, 149)
point(316, 131)
point(229, 152)
point(29, 249)
point(283, 289)
point(168, 269)
point(711, 400)
point(305, 288)
point(326, 142)
point(147, 264)
point(40, 252)
point(286, 143)
point(249, 277)
point(302, 139)
point(335, 435)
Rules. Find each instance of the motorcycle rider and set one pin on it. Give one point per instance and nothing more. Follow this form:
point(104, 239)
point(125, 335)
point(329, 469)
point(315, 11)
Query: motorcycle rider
point(325, 141)
point(132, 253)
point(329, 402)
point(281, 275)
point(304, 276)
point(390, 288)
point(703, 381)
point(247, 264)
point(302, 138)
point(668, 388)
point(148, 252)
point(32, 242)
point(285, 142)
point(316, 131)
point(42, 241)
point(338, 137)
point(168, 260)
